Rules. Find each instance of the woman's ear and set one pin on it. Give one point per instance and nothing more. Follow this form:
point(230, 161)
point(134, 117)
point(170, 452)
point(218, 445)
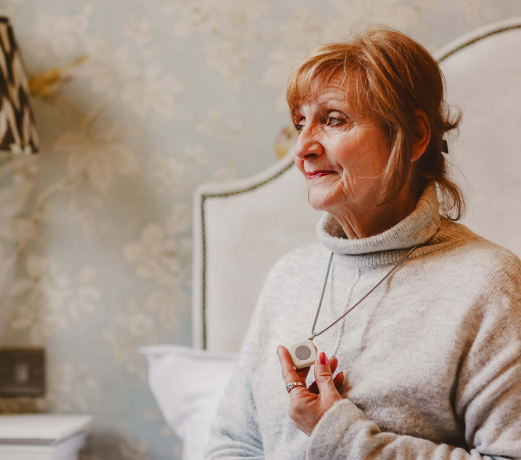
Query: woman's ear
point(424, 129)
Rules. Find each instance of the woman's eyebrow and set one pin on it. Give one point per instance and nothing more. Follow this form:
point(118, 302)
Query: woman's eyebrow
point(335, 100)
point(337, 105)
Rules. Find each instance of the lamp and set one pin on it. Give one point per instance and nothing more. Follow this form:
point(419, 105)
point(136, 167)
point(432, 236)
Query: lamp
point(17, 128)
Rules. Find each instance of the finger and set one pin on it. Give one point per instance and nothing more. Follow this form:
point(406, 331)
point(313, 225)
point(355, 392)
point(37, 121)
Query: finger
point(303, 373)
point(324, 376)
point(338, 380)
point(333, 363)
point(289, 374)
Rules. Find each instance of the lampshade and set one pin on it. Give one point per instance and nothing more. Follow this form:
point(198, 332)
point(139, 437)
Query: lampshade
point(17, 128)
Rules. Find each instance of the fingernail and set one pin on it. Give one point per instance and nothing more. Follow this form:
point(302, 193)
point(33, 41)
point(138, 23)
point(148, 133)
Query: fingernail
point(322, 358)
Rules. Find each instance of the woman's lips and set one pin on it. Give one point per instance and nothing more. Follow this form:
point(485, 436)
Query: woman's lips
point(317, 174)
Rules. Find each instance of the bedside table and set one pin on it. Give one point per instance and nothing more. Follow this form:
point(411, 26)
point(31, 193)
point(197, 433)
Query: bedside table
point(42, 436)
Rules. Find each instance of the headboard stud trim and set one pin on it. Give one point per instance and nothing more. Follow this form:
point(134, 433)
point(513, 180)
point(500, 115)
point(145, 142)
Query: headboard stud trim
point(206, 196)
point(477, 39)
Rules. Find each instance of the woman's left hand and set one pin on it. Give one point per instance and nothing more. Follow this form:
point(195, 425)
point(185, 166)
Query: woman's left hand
point(306, 408)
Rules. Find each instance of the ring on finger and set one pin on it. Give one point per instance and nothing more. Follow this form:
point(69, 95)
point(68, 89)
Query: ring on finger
point(292, 385)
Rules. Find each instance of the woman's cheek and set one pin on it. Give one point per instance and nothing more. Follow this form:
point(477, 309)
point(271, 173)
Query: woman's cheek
point(300, 166)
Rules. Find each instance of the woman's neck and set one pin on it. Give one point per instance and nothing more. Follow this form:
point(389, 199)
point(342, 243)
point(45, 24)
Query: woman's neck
point(366, 220)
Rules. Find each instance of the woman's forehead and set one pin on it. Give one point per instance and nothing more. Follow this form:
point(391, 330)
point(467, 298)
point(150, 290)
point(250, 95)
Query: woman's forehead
point(331, 93)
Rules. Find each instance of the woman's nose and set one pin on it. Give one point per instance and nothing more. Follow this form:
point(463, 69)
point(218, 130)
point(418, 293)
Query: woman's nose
point(308, 144)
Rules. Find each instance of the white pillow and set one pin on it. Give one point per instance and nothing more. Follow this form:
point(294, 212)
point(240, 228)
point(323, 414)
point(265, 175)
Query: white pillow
point(188, 385)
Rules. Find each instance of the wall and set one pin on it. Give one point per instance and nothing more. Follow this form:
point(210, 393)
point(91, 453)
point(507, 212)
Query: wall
point(95, 231)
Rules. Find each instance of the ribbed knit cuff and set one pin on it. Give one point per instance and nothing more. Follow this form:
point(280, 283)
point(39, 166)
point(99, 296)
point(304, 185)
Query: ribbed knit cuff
point(332, 434)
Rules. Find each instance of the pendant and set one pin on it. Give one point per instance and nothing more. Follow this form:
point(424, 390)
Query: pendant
point(303, 354)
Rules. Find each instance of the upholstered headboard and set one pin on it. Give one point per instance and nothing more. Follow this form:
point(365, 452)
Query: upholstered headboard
point(242, 227)
point(483, 73)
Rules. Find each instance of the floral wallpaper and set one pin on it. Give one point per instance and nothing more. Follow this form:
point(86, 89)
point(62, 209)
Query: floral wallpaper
point(137, 102)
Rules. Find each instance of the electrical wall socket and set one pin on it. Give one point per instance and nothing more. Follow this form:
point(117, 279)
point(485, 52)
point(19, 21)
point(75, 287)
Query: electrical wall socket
point(22, 372)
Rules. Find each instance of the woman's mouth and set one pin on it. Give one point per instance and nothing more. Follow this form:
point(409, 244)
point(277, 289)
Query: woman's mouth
point(317, 174)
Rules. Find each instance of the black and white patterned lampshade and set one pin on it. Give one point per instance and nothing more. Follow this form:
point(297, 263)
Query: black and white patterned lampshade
point(17, 128)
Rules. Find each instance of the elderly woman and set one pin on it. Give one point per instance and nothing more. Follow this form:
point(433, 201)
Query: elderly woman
point(430, 360)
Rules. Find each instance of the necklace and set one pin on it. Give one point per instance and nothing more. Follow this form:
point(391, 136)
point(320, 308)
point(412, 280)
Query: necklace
point(304, 353)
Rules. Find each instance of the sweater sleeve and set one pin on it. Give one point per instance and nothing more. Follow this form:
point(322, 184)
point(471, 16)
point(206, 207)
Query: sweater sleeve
point(487, 394)
point(235, 430)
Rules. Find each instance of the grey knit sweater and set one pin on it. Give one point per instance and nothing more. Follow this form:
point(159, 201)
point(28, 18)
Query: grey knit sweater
point(432, 359)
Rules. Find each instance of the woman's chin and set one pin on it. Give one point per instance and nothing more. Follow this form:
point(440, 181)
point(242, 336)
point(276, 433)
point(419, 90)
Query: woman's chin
point(319, 202)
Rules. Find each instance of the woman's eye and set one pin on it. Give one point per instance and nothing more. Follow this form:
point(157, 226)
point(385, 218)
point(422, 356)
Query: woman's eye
point(332, 121)
point(299, 127)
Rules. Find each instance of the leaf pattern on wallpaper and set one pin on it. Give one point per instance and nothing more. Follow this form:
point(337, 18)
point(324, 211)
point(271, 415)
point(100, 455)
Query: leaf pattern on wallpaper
point(167, 306)
point(108, 67)
point(58, 35)
point(7, 7)
point(353, 15)
point(230, 22)
point(13, 199)
point(51, 299)
point(95, 232)
point(84, 209)
point(97, 154)
point(474, 10)
point(69, 385)
point(157, 256)
point(182, 175)
point(135, 327)
point(154, 92)
point(230, 131)
point(161, 255)
point(299, 34)
point(138, 29)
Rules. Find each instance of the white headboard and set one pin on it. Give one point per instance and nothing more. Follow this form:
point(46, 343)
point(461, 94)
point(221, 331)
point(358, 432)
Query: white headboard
point(242, 227)
point(483, 72)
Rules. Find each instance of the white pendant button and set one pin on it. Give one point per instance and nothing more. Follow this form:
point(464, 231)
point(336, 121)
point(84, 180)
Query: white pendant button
point(303, 354)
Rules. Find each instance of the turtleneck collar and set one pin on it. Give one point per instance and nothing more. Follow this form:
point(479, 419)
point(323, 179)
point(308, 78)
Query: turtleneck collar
point(386, 247)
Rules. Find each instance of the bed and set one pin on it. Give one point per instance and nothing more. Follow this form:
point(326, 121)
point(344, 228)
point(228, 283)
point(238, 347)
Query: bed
point(242, 227)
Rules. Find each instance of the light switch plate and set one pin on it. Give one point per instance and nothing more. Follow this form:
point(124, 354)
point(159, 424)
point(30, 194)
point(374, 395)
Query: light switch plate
point(22, 372)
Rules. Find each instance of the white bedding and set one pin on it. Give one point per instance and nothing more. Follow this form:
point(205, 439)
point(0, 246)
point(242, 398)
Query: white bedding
point(188, 385)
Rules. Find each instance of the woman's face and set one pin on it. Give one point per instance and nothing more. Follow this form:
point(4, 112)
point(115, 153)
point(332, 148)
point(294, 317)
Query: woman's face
point(341, 152)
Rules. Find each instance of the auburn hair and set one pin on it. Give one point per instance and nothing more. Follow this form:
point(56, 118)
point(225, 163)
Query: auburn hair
point(388, 76)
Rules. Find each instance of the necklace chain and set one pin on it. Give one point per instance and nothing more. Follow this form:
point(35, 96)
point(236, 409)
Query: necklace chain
point(398, 265)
